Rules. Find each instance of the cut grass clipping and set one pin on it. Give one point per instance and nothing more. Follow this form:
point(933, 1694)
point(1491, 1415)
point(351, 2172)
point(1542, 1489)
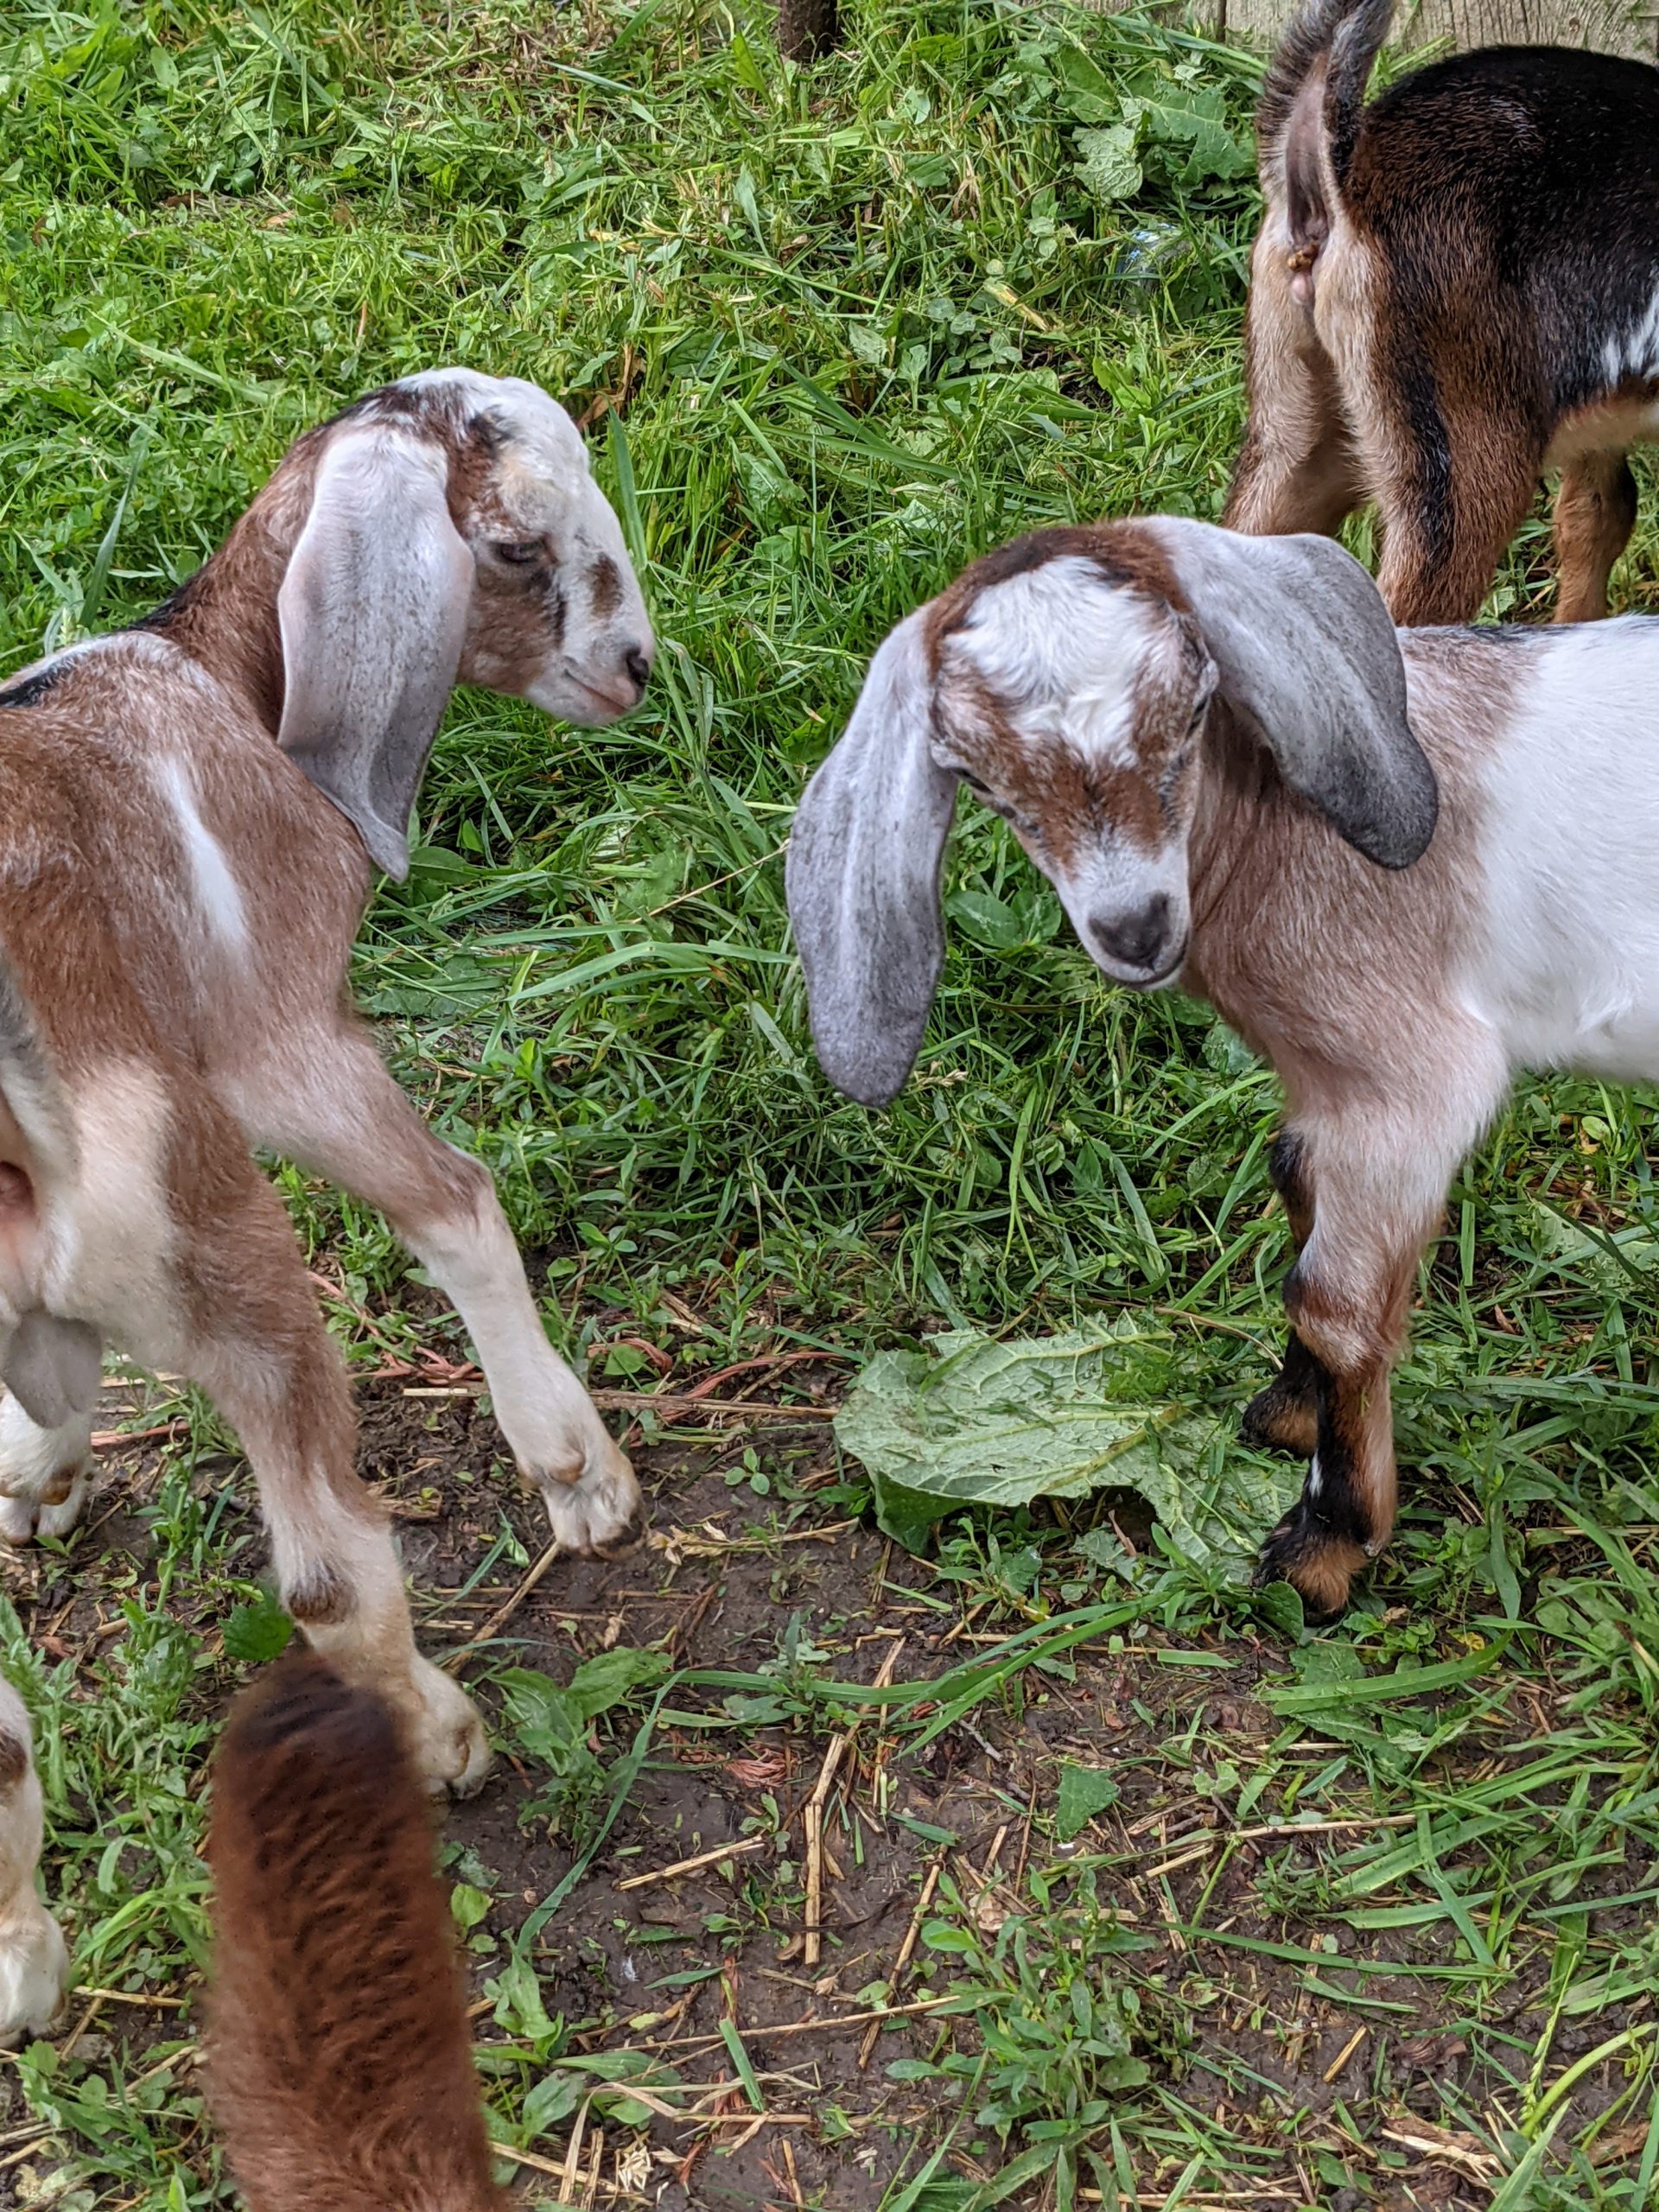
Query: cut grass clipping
point(1369, 1920)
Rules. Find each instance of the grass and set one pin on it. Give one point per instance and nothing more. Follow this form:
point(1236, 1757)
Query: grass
point(837, 332)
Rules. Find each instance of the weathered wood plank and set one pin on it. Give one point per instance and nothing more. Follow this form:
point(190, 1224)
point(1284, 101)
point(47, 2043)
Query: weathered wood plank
point(1612, 26)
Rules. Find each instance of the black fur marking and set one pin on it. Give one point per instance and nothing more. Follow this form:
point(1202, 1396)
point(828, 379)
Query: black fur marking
point(1286, 1165)
point(1543, 162)
point(163, 617)
point(1293, 1391)
point(31, 688)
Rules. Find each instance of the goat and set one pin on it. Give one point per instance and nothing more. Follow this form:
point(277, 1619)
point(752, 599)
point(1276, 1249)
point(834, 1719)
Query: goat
point(190, 811)
point(1231, 768)
point(338, 2060)
point(1452, 291)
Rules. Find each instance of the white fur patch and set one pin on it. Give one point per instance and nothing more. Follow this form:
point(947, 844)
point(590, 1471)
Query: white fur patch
point(1634, 350)
point(1062, 649)
point(218, 895)
point(1567, 971)
point(543, 468)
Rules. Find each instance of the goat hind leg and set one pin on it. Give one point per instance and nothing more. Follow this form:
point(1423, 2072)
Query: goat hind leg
point(1452, 489)
point(259, 1347)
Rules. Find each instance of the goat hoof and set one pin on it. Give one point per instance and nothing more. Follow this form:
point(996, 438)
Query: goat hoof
point(1318, 1564)
point(52, 1510)
point(602, 1513)
point(447, 1735)
point(1274, 1422)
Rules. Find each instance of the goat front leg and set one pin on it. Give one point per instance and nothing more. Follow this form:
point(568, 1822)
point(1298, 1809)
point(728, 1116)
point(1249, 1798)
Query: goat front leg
point(250, 1333)
point(33, 1963)
point(1380, 1181)
point(345, 1116)
point(1285, 1417)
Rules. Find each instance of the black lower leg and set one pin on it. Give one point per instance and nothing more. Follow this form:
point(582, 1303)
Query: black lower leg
point(1327, 1537)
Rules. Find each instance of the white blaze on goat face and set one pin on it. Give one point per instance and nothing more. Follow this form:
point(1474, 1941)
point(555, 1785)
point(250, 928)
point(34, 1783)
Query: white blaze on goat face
point(538, 526)
point(1071, 704)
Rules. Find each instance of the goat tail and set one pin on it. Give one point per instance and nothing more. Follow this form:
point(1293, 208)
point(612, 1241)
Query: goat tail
point(337, 2059)
point(1316, 83)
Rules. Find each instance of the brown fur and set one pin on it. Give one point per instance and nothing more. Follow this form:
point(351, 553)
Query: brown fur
point(339, 2064)
point(1343, 975)
point(160, 1010)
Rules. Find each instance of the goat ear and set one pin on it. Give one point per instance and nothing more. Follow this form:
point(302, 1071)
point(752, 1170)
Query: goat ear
point(51, 1367)
point(373, 612)
point(1307, 654)
point(862, 877)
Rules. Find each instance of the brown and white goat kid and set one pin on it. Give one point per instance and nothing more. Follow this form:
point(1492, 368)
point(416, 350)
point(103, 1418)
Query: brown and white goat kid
point(1229, 763)
point(338, 2062)
point(190, 814)
point(1452, 290)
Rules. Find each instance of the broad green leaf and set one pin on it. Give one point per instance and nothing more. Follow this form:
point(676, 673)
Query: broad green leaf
point(610, 1676)
point(256, 1633)
point(1084, 1791)
point(970, 1422)
point(1109, 166)
point(467, 1905)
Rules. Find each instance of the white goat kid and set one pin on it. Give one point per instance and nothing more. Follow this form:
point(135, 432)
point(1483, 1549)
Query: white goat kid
point(1229, 763)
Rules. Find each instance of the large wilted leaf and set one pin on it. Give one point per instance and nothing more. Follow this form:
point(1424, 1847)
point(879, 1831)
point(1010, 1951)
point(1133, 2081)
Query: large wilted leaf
point(971, 1422)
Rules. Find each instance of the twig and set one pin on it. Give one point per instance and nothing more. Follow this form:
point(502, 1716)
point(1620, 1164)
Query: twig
point(1345, 2054)
point(756, 2033)
point(812, 1815)
point(502, 1614)
point(690, 1865)
point(679, 1403)
point(139, 1997)
point(546, 2166)
point(930, 1883)
point(111, 1440)
point(572, 2153)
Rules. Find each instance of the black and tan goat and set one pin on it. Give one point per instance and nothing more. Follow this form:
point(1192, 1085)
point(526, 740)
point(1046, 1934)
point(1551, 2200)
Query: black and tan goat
point(1452, 290)
point(1231, 765)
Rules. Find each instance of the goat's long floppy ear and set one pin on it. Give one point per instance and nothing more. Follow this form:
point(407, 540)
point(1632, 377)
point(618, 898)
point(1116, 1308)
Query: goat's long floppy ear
point(863, 877)
point(373, 612)
point(1306, 652)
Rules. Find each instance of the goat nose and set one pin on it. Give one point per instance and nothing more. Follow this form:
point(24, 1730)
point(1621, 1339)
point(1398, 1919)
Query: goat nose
point(636, 661)
point(1136, 939)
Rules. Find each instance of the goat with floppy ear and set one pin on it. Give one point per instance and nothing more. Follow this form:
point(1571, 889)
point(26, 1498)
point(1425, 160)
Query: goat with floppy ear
point(191, 812)
point(1452, 290)
point(1400, 864)
point(338, 2062)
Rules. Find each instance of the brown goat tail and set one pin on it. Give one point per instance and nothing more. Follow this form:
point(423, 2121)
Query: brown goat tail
point(337, 2059)
point(1344, 35)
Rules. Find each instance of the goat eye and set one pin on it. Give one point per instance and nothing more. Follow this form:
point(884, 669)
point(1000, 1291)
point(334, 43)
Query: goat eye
point(520, 554)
